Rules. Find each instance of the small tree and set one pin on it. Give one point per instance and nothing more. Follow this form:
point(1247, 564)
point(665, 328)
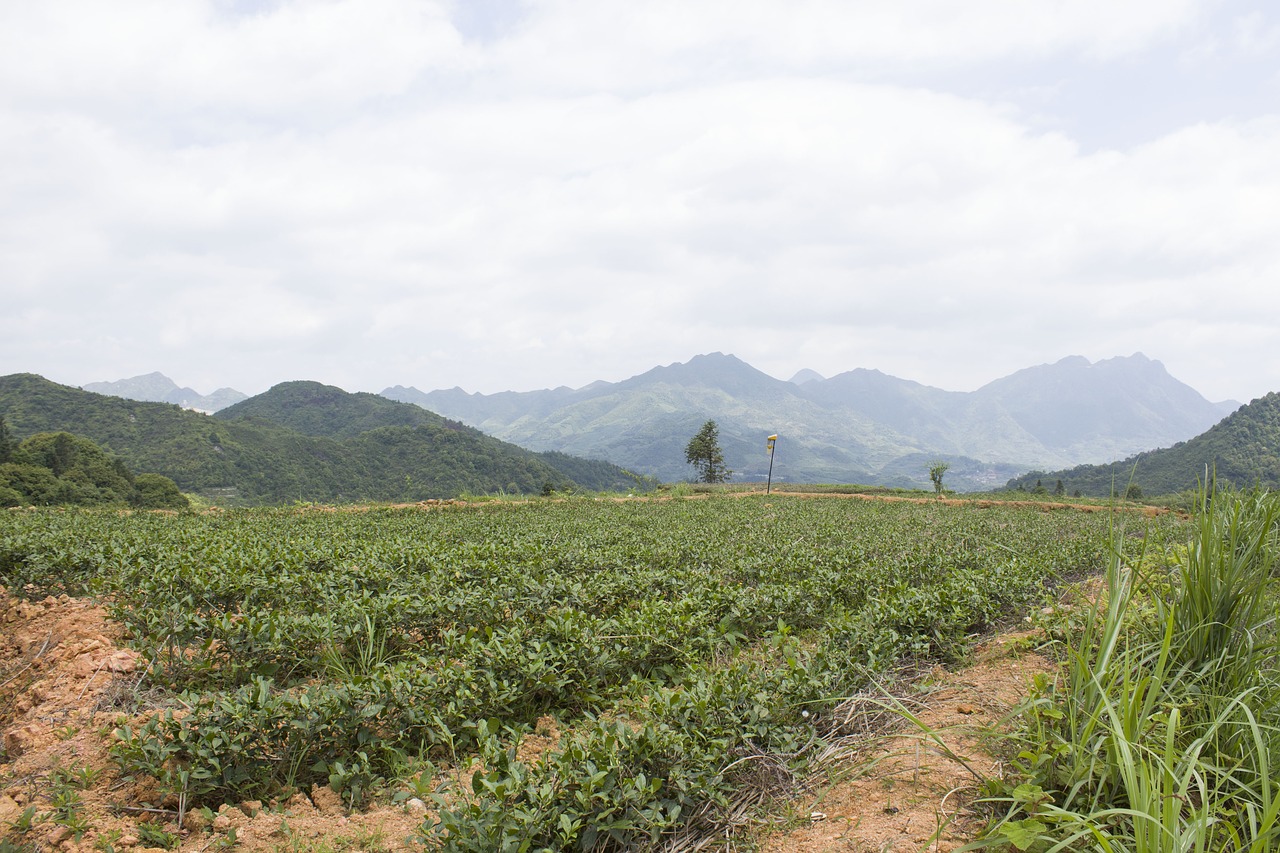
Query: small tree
point(156, 491)
point(703, 453)
point(936, 470)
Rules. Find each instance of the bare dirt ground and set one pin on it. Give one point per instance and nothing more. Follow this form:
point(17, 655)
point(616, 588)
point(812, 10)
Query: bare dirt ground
point(914, 788)
point(983, 503)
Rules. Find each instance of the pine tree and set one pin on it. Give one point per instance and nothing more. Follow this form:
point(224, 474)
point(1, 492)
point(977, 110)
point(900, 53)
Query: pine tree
point(703, 453)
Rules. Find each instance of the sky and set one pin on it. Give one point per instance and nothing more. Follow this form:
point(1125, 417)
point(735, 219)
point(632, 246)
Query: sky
point(508, 195)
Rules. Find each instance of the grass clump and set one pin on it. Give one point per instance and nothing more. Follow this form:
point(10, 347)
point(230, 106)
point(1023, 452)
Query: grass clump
point(1163, 732)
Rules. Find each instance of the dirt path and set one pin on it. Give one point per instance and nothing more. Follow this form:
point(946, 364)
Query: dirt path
point(981, 503)
point(901, 791)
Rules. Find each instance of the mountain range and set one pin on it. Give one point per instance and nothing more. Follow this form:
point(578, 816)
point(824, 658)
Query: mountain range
point(862, 426)
point(300, 441)
point(158, 388)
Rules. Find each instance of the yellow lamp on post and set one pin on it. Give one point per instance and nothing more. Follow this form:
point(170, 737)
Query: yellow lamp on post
point(773, 440)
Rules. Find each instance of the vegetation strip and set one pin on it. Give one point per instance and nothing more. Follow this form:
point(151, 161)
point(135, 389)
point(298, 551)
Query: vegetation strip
point(1164, 731)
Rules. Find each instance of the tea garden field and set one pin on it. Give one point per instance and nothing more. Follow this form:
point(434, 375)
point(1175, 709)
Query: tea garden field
point(684, 646)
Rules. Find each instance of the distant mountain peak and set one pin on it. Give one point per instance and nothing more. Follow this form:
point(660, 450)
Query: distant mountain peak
point(716, 369)
point(155, 387)
point(1137, 361)
point(806, 375)
point(147, 387)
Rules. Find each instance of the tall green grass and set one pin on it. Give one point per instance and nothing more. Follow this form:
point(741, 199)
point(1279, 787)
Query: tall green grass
point(1161, 734)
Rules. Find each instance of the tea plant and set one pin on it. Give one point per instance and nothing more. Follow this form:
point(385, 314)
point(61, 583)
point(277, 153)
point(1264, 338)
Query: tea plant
point(79, 776)
point(68, 811)
point(154, 835)
point(107, 840)
point(339, 648)
point(21, 825)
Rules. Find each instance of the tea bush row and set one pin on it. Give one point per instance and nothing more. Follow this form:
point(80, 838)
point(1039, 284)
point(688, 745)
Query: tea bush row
point(336, 647)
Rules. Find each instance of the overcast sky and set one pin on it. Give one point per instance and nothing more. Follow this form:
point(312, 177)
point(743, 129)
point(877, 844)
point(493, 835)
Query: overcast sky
point(514, 195)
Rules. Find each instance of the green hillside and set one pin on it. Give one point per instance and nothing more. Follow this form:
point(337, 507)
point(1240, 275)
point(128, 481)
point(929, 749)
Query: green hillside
point(374, 426)
point(368, 452)
point(326, 411)
point(1243, 449)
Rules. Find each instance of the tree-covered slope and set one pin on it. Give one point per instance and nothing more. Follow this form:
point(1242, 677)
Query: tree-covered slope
point(255, 460)
point(377, 427)
point(61, 469)
point(1243, 449)
point(324, 410)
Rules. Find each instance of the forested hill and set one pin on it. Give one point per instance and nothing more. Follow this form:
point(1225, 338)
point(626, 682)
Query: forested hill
point(256, 459)
point(1244, 450)
point(359, 418)
point(324, 410)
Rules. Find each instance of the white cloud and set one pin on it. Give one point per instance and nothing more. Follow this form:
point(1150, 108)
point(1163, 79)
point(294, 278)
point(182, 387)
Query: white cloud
point(162, 61)
point(355, 192)
point(613, 45)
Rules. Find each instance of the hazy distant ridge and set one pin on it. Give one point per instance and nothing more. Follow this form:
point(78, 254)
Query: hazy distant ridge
point(858, 426)
point(158, 388)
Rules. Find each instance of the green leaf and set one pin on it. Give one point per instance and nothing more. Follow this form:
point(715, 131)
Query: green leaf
point(1029, 793)
point(1023, 833)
